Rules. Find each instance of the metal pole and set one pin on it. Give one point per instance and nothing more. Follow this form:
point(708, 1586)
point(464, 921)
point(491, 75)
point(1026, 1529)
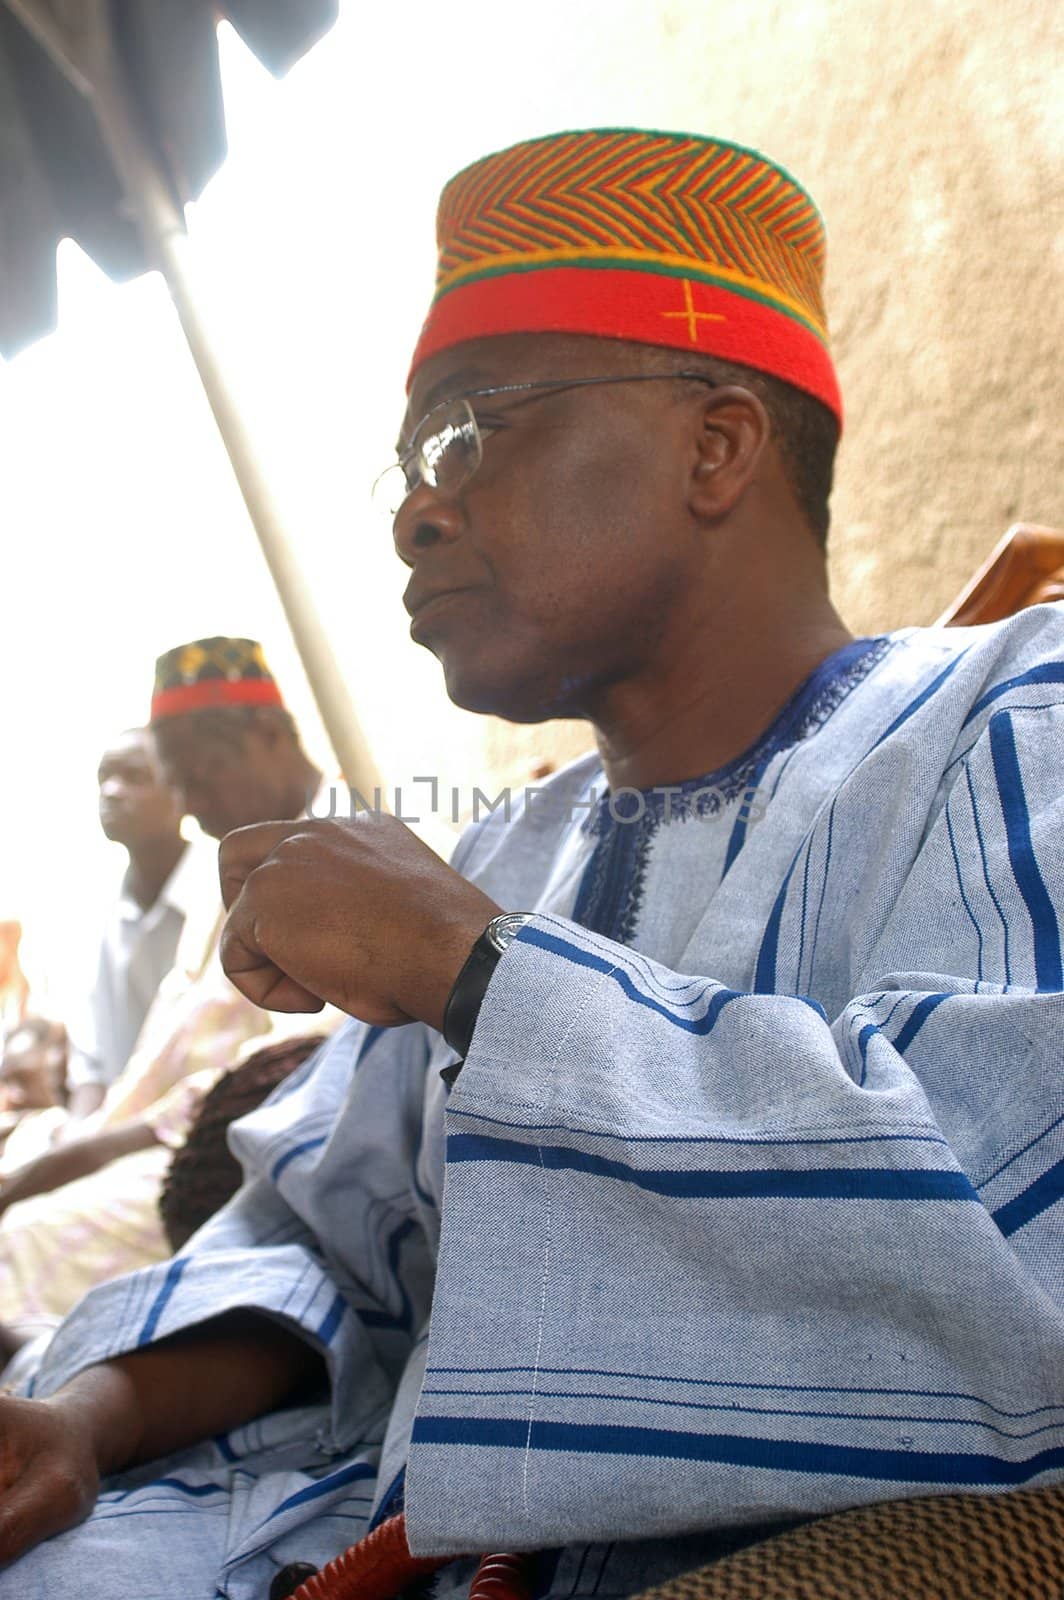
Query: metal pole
point(162, 226)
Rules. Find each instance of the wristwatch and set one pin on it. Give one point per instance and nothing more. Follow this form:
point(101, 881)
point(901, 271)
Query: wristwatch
point(464, 1001)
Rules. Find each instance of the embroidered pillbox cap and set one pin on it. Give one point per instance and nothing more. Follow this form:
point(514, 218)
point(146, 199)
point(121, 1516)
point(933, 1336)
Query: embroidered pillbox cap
point(212, 672)
point(665, 239)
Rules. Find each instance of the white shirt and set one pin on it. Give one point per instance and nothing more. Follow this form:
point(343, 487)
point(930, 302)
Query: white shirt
point(137, 949)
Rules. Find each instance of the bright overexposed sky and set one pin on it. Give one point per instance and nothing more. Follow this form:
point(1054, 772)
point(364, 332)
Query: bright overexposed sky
point(124, 533)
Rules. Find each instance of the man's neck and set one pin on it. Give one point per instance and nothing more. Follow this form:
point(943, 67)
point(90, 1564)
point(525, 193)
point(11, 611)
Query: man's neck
point(150, 865)
point(716, 698)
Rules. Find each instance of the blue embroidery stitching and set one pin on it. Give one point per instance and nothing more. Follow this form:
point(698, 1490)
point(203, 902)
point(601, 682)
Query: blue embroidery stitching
point(611, 891)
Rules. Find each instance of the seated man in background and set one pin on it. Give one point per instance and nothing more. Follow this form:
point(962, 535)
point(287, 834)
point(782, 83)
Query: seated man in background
point(165, 880)
point(226, 740)
point(711, 1104)
point(88, 1209)
point(167, 908)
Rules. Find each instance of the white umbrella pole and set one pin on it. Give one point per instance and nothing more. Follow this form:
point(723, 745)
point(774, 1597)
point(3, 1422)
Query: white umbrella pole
point(162, 226)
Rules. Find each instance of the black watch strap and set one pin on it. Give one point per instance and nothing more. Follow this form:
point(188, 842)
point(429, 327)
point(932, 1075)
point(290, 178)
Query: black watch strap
point(466, 998)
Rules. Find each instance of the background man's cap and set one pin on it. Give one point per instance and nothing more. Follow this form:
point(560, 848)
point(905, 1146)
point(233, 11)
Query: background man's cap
point(657, 238)
point(212, 672)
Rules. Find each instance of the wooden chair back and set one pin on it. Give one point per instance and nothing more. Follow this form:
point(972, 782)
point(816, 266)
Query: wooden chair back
point(1024, 569)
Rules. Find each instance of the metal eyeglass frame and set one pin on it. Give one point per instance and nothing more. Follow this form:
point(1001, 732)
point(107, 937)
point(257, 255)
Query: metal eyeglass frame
point(457, 420)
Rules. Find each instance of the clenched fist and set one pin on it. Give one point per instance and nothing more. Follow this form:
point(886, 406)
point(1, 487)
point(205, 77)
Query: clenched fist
point(359, 914)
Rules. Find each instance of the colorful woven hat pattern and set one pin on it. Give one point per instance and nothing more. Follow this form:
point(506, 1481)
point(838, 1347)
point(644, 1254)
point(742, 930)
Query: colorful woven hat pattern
point(657, 238)
point(212, 672)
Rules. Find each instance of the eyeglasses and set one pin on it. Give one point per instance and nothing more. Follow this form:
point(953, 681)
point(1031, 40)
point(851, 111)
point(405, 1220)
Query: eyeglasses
point(447, 445)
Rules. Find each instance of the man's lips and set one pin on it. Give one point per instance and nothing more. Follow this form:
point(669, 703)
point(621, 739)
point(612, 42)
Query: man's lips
point(419, 602)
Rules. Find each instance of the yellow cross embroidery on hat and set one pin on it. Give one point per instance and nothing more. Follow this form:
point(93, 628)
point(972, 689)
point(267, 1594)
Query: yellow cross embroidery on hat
point(693, 317)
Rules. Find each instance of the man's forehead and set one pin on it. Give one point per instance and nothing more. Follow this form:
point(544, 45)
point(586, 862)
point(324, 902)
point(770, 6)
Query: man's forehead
point(129, 748)
point(505, 358)
point(441, 380)
point(474, 364)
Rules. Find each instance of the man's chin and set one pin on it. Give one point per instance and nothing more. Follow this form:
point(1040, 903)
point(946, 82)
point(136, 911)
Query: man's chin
point(524, 701)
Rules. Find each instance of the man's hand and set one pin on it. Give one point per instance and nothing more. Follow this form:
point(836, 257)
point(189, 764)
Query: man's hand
point(49, 1478)
point(136, 1408)
point(357, 914)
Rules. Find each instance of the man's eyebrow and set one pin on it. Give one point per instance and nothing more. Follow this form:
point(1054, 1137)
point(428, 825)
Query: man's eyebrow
point(455, 384)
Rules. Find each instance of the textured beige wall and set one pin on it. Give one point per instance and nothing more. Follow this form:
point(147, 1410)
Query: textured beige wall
point(945, 209)
point(932, 136)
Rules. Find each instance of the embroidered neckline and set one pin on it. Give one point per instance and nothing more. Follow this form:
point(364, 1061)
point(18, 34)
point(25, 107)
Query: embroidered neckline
point(804, 714)
point(611, 890)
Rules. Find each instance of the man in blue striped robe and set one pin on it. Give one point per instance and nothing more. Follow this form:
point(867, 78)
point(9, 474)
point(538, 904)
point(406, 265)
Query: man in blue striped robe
point(745, 1204)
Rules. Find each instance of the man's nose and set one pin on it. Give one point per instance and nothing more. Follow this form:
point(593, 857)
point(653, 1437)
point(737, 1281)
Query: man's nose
point(426, 517)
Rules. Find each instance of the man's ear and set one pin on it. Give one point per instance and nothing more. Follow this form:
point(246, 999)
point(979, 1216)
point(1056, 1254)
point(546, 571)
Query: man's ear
point(733, 435)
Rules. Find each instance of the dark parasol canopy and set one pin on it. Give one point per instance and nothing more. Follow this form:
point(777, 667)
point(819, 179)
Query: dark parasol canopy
point(59, 177)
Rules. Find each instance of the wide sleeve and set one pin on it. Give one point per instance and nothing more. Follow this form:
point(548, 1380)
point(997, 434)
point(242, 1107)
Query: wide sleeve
point(262, 1253)
point(712, 1257)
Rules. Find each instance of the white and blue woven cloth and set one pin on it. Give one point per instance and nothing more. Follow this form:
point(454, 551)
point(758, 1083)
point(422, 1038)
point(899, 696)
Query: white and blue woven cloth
point(745, 1207)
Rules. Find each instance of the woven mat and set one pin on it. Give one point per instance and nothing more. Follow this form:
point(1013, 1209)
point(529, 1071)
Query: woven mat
point(954, 1547)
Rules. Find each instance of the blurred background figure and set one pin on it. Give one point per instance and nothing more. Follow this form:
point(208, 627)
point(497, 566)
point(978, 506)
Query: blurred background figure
point(80, 1209)
point(33, 1066)
point(14, 989)
point(225, 739)
point(32, 1070)
point(165, 883)
point(202, 1175)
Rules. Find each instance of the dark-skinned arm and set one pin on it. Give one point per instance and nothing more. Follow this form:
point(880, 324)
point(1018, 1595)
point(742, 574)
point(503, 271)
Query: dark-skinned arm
point(187, 1388)
point(74, 1159)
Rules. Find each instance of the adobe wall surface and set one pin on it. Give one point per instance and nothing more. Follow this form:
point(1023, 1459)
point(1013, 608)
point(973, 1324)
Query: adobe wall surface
point(932, 137)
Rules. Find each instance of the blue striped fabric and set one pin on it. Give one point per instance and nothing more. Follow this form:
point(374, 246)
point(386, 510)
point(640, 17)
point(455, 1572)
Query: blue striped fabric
point(815, 1183)
point(750, 1216)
